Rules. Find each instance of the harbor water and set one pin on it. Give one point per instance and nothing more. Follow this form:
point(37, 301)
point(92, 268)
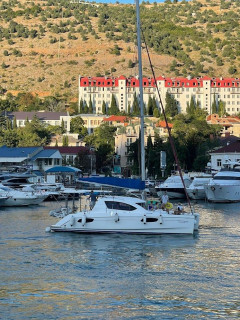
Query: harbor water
point(79, 276)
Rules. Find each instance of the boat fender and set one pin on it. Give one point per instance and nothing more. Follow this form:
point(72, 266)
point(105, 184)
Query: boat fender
point(213, 188)
point(84, 219)
point(116, 217)
point(72, 221)
point(144, 219)
point(48, 229)
point(160, 219)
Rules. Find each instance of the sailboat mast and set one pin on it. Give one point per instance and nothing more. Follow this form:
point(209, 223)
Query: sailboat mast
point(143, 173)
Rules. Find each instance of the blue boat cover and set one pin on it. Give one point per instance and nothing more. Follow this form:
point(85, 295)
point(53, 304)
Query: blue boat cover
point(116, 182)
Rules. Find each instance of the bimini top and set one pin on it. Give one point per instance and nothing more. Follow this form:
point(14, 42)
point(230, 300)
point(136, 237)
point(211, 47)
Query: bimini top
point(63, 169)
point(116, 182)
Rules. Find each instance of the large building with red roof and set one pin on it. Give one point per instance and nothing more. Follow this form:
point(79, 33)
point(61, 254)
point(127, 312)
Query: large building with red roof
point(204, 90)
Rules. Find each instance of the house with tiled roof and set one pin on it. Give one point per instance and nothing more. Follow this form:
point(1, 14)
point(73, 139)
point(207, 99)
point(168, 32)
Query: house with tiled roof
point(69, 155)
point(116, 120)
point(36, 158)
point(47, 117)
point(91, 121)
point(231, 152)
point(230, 124)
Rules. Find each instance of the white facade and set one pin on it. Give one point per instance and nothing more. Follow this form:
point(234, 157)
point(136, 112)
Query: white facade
point(204, 90)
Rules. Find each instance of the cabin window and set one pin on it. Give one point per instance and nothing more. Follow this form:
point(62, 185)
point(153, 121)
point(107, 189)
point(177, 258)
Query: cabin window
point(119, 206)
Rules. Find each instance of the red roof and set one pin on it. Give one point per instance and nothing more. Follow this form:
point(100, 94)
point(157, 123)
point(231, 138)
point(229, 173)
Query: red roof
point(215, 119)
point(168, 82)
point(121, 119)
point(162, 124)
point(68, 150)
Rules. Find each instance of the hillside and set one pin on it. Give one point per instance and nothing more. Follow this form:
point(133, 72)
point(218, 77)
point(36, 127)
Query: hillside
point(46, 45)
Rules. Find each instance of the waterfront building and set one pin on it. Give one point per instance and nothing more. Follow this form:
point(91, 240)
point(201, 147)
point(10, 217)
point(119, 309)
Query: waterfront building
point(91, 121)
point(230, 152)
point(69, 155)
point(204, 90)
point(47, 117)
point(129, 133)
point(35, 158)
point(230, 124)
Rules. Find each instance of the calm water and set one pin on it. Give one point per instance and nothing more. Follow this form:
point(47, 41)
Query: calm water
point(72, 276)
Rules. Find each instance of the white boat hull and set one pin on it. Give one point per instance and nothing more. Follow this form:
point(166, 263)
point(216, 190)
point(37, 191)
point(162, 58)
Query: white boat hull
point(173, 194)
point(15, 202)
point(168, 224)
point(126, 215)
point(223, 193)
point(196, 194)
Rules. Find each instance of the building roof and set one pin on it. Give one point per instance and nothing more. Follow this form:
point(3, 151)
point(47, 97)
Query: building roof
point(63, 169)
point(67, 150)
point(43, 154)
point(162, 124)
point(42, 115)
point(229, 148)
point(113, 118)
point(17, 152)
point(224, 121)
point(168, 82)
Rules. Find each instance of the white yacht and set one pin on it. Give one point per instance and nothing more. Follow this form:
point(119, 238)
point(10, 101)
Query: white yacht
point(225, 185)
point(14, 198)
point(196, 189)
point(116, 214)
point(174, 186)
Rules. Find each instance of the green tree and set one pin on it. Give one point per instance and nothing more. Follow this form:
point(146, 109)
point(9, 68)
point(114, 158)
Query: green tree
point(171, 107)
point(156, 113)
point(81, 106)
point(63, 130)
point(221, 108)
point(135, 107)
point(150, 106)
point(102, 139)
point(90, 110)
point(113, 106)
point(77, 126)
point(214, 106)
point(65, 141)
point(104, 108)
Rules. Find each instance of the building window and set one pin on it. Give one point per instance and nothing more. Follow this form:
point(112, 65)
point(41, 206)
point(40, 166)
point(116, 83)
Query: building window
point(219, 162)
point(56, 162)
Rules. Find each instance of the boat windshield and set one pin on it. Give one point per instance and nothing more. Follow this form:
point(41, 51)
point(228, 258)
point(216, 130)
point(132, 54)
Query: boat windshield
point(119, 206)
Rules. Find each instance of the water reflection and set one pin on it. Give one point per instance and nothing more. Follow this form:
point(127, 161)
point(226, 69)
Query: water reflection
point(72, 276)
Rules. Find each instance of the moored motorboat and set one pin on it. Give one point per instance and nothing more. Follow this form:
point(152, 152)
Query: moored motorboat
point(173, 186)
point(116, 214)
point(225, 185)
point(196, 190)
point(20, 198)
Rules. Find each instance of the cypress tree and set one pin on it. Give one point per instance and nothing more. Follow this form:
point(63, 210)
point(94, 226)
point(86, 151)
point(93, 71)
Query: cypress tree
point(81, 107)
point(150, 106)
point(104, 108)
point(90, 106)
point(214, 106)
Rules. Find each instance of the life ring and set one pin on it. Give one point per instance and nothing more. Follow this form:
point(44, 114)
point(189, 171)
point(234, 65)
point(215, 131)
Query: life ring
point(168, 206)
point(213, 188)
